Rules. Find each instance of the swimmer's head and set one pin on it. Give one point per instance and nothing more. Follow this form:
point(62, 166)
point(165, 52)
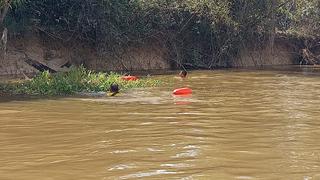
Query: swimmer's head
point(183, 73)
point(114, 89)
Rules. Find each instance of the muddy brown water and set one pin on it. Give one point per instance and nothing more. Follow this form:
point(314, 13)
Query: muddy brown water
point(237, 125)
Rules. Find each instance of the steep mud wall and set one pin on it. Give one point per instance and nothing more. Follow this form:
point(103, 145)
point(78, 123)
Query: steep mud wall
point(284, 52)
point(54, 54)
point(147, 56)
point(151, 55)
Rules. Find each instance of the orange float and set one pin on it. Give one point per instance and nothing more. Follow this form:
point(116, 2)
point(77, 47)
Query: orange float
point(129, 78)
point(182, 91)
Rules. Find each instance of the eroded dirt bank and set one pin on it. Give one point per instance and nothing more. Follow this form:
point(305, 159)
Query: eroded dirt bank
point(58, 56)
point(153, 55)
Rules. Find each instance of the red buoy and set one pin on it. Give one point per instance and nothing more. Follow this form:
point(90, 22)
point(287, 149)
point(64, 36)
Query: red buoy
point(182, 91)
point(129, 78)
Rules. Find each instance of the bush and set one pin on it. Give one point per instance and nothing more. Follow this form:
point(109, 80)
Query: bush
point(203, 32)
point(76, 80)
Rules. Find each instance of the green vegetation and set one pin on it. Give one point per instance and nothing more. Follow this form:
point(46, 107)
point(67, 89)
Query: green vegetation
point(76, 80)
point(204, 33)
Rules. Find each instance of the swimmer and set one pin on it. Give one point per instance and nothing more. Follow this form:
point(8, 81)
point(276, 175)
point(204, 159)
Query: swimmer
point(183, 74)
point(114, 89)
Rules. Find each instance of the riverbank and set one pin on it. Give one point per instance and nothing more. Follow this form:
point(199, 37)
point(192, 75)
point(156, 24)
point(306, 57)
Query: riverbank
point(152, 55)
point(140, 35)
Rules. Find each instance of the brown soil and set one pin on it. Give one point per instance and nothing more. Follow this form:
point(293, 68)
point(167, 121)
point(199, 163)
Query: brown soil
point(151, 55)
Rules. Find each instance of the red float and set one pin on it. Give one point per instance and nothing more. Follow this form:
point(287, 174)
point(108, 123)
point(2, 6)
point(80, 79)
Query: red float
point(182, 91)
point(129, 78)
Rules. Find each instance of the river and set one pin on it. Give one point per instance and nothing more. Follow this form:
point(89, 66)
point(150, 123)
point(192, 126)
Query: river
point(238, 124)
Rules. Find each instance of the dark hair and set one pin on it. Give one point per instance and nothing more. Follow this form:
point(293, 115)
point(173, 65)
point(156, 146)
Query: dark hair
point(183, 73)
point(114, 88)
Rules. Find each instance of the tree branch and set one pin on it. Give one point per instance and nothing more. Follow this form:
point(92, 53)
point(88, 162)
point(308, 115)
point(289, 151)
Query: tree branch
point(4, 10)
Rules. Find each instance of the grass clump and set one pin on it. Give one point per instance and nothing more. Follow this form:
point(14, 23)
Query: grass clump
point(76, 80)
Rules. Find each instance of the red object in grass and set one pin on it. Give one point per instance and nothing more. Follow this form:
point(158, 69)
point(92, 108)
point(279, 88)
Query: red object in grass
point(130, 78)
point(182, 91)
